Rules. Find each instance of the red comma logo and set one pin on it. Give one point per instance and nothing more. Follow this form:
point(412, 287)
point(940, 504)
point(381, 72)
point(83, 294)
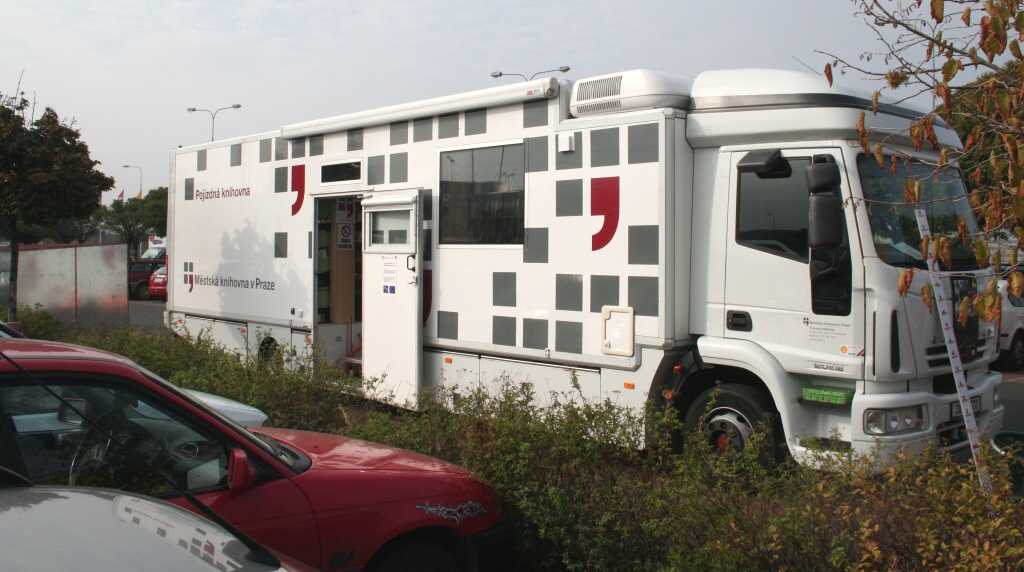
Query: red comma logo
point(604, 202)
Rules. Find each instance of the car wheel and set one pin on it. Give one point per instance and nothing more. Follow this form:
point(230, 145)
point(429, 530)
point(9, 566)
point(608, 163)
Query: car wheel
point(416, 557)
point(1015, 357)
point(142, 291)
point(728, 416)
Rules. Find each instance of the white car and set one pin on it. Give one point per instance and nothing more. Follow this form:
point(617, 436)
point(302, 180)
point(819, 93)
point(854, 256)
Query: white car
point(1011, 330)
point(79, 528)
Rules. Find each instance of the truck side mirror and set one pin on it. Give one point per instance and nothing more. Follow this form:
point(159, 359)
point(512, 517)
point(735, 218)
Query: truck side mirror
point(241, 473)
point(825, 212)
point(825, 227)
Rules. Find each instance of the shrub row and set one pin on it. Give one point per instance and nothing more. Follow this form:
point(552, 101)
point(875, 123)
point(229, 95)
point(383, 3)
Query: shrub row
point(584, 496)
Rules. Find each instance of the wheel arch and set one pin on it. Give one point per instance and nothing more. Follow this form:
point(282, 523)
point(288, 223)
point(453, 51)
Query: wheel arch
point(729, 361)
point(450, 539)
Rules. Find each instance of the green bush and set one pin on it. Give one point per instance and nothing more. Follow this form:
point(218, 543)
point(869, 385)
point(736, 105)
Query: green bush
point(583, 494)
point(35, 322)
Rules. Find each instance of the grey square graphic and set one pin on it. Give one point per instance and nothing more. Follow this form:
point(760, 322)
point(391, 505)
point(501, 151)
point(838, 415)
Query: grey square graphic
point(316, 145)
point(503, 289)
point(236, 155)
point(201, 160)
point(375, 170)
point(604, 291)
point(423, 129)
point(643, 244)
point(266, 150)
point(400, 133)
point(355, 139)
point(535, 334)
point(569, 198)
point(535, 113)
point(571, 159)
point(569, 337)
point(448, 126)
point(643, 143)
point(281, 180)
point(536, 248)
point(569, 292)
point(604, 147)
point(399, 167)
point(190, 189)
point(280, 245)
point(476, 121)
point(280, 148)
point(643, 295)
point(536, 154)
point(448, 325)
point(298, 148)
point(503, 331)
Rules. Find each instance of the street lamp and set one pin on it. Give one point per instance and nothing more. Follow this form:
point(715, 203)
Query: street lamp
point(213, 115)
point(498, 74)
point(140, 177)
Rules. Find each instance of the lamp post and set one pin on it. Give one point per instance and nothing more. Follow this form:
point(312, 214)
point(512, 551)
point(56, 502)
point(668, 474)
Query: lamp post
point(498, 74)
point(213, 116)
point(140, 177)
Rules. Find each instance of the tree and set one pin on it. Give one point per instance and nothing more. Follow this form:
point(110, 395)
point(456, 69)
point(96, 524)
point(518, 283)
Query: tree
point(127, 220)
point(154, 210)
point(968, 60)
point(46, 175)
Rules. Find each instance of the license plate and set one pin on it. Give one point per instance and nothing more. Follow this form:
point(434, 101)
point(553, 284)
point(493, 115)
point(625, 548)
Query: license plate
point(956, 411)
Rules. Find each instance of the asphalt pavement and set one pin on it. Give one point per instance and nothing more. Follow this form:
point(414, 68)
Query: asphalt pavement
point(148, 314)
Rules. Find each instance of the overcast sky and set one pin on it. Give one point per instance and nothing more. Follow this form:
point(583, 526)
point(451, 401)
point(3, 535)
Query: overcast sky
point(126, 70)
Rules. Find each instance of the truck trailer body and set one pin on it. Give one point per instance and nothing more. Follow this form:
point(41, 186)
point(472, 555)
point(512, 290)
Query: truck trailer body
point(637, 236)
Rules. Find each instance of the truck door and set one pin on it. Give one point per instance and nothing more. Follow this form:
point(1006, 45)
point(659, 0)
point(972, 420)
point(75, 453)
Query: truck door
point(392, 300)
point(798, 303)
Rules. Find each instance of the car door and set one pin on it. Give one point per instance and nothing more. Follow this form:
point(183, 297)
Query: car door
point(76, 442)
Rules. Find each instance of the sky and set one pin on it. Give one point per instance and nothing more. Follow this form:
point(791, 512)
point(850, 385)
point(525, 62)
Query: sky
point(127, 70)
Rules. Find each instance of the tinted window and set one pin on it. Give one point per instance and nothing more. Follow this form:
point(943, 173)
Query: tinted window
point(482, 195)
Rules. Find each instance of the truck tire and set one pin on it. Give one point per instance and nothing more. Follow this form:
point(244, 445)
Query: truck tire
point(736, 412)
point(1015, 355)
point(416, 557)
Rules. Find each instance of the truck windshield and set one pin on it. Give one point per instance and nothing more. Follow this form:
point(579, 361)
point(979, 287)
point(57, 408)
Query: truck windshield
point(893, 224)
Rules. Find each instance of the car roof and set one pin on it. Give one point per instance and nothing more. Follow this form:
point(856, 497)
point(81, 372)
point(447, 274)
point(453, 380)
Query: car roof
point(31, 353)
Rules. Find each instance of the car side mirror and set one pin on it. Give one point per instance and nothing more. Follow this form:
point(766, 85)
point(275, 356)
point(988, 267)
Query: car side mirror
point(69, 416)
point(241, 473)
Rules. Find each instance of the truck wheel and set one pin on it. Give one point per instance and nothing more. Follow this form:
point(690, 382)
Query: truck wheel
point(1015, 357)
point(416, 557)
point(736, 412)
point(142, 291)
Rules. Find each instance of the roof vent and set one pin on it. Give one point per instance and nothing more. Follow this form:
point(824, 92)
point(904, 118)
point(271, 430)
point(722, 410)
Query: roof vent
point(628, 91)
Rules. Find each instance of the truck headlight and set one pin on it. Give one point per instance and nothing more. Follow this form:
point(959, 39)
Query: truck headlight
point(893, 421)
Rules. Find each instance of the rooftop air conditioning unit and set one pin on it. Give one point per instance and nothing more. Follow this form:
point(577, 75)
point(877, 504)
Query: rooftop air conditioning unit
point(629, 91)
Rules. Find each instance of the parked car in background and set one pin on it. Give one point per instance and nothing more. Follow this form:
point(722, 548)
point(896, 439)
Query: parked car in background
point(139, 271)
point(9, 332)
point(79, 528)
point(328, 501)
point(1011, 330)
point(158, 283)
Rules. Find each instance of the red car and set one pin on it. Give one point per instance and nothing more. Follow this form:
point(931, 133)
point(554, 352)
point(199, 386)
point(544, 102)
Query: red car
point(158, 283)
point(332, 502)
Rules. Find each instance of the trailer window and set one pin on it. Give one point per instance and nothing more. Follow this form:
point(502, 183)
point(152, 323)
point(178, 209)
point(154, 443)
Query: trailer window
point(482, 195)
point(341, 172)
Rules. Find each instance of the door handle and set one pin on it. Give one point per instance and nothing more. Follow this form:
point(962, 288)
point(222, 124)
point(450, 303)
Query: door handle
point(410, 262)
point(738, 321)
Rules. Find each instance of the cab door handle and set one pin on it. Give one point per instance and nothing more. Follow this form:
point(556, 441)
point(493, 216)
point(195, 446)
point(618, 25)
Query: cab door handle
point(738, 321)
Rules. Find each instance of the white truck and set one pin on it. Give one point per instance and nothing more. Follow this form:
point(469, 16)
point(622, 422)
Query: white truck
point(642, 235)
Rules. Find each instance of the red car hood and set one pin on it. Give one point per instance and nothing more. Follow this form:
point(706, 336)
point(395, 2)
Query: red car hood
point(333, 452)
